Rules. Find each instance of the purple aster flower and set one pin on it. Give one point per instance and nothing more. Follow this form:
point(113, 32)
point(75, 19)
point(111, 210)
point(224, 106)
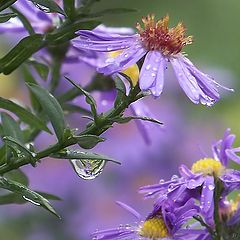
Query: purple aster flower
point(159, 45)
point(199, 182)
point(162, 224)
point(41, 21)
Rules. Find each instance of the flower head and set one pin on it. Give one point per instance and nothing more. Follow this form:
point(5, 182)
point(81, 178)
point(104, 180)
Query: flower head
point(157, 35)
point(41, 21)
point(200, 181)
point(159, 44)
point(164, 223)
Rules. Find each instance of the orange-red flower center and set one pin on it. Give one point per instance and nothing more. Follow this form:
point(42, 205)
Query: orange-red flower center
point(157, 35)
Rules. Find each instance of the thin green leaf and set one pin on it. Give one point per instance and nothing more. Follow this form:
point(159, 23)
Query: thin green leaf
point(28, 78)
point(27, 194)
point(128, 119)
point(75, 154)
point(11, 198)
point(15, 144)
point(24, 21)
point(18, 176)
point(11, 127)
point(69, 7)
point(4, 17)
point(21, 52)
point(6, 3)
point(52, 109)
point(41, 68)
point(121, 91)
point(49, 196)
point(48, 6)
point(89, 99)
point(88, 141)
point(23, 114)
point(3, 154)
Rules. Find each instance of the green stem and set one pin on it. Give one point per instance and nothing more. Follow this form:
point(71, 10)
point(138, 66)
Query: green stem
point(104, 123)
point(217, 195)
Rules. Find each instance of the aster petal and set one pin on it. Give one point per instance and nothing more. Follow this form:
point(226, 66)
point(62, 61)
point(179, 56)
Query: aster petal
point(102, 36)
point(231, 153)
point(185, 171)
point(206, 81)
point(124, 60)
point(152, 73)
point(188, 82)
point(207, 199)
point(224, 145)
point(129, 209)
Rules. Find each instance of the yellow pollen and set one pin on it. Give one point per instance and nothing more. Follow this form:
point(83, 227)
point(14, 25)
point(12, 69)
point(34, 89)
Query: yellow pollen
point(153, 228)
point(132, 71)
point(208, 166)
point(157, 35)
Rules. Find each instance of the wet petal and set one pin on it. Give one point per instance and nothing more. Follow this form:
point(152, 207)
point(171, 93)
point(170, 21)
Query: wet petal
point(152, 73)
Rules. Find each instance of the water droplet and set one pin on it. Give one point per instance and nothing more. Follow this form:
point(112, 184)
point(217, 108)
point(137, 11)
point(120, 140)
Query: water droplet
point(126, 55)
point(31, 201)
point(174, 177)
point(161, 181)
point(211, 187)
point(191, 184)
point(148, 66)
point(153, 74)
point(88, 169)
point(42, 8)
point(154, 69)
point(109, 48)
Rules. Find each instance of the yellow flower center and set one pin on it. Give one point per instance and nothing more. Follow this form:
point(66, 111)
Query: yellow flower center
point(153, 228)
point(208, 166)
point(157, 35)
point(132, 71)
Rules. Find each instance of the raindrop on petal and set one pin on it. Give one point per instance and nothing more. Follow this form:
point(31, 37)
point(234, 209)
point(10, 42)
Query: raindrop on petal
point(88, 169)
point(211, 187)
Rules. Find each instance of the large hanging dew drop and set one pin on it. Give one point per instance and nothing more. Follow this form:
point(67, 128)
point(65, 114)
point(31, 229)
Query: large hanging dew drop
point(88, 169)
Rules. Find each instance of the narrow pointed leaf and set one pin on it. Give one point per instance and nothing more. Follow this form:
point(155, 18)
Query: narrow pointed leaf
point(88, 141)
point(48, 6)
point(4, 17)
point(11, 127)
point(89, 99)
point(75, 154)
point(23, 114)
point(6, 3)
point(18, 176)
point(128, 119)
point(27, 194)
point(21, 52)
point(52, 109)
point(41, 69)
point(24, 21)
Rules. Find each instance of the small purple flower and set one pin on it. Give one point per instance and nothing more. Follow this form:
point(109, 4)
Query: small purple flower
point(159, 45)
point(41, 21)
point(199, 182)
point(165, 223)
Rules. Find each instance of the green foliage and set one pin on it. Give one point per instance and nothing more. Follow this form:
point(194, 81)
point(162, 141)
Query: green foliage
point(52, 109)
point(27, 194)
point(23, 114)
point(4, 17)
point(48, 6)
